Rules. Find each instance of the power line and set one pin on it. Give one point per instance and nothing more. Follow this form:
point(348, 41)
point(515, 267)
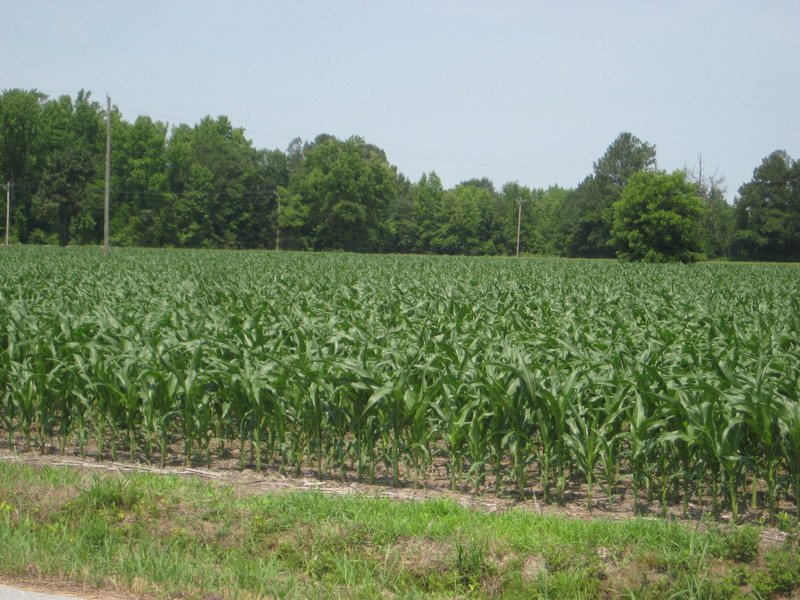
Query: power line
point(398, 150)
point(415, 152)
point(286, 134)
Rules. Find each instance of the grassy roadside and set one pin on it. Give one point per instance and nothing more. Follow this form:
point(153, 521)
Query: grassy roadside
point(168, 536)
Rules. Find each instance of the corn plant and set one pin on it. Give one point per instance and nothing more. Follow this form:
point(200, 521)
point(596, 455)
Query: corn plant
point(681, 380)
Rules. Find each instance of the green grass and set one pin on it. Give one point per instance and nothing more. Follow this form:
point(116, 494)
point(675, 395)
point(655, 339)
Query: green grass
point(167, 536)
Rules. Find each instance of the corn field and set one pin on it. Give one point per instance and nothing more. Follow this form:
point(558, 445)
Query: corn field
point(679, 383)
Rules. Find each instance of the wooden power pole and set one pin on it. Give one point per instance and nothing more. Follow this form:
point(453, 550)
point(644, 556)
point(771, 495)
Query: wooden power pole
point(278, 222)
point(108, 175)
point(8, 209)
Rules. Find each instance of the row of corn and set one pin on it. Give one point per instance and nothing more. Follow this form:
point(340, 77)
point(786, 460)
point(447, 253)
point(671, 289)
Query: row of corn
point(679, 384)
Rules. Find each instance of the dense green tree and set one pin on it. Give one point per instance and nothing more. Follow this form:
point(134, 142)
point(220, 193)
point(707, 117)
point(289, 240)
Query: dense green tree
point(64, 195)
point(224, 165)
point(466, 226)
point(36, 136)
point(339, 198)
point(68, 201)
point(539, 227)
point(587, 216)
point(584, 221)
point(483, 182)
point(428, 210)
point(271, 173)
point(487, 220)
point(658, 219)
point(768, 211)
point(217, 178)
point(77, 125)
point(190, 182)
point(142, 209)
point(20, 121)
point(535, 220)
point(289, 217)
point(403, 231)
point(206, 186)
point(294, 154)
point(546, 211)
point(20, 116)
point(625, 156)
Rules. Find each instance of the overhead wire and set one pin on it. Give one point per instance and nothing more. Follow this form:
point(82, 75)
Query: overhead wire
point(398, 150)
point(433, 154)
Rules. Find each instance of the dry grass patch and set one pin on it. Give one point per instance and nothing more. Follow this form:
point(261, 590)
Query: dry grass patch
point(422, 557)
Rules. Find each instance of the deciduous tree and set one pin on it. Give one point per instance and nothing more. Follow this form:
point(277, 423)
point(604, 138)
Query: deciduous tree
point(20, 121)
point(339, 198)
point(658, 219)
point(63, 194)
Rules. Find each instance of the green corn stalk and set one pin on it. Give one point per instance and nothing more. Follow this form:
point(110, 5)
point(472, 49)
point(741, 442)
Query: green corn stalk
point(478, 439)
point(681, 422)
point(453, 411)
point(642, 433)
point(789, 414)
point(23, 395)
point(354, 384)
point(422, 428)
point(496, 390)
point(609, 430)
point(551, 410)
point(317, 409)
point(388, 404)
point(583, 438)
point(161, 408)
point(130, 398)
point(519, 409)
point(761, 414)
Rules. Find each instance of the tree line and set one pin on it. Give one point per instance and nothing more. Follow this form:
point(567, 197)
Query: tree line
point(207, 186)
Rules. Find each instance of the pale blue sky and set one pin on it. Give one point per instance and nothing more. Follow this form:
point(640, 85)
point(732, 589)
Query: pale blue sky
point(511, 90)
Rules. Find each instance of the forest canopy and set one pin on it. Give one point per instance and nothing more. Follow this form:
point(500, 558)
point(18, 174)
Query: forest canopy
point(206, 186)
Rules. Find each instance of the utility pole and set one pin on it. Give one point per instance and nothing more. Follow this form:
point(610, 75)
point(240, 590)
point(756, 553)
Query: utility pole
point(108, 175)
point(278, 222)
point(8, 209)
point(519, 222)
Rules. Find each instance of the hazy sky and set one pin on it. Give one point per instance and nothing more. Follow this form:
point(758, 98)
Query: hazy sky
point(511, 90)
